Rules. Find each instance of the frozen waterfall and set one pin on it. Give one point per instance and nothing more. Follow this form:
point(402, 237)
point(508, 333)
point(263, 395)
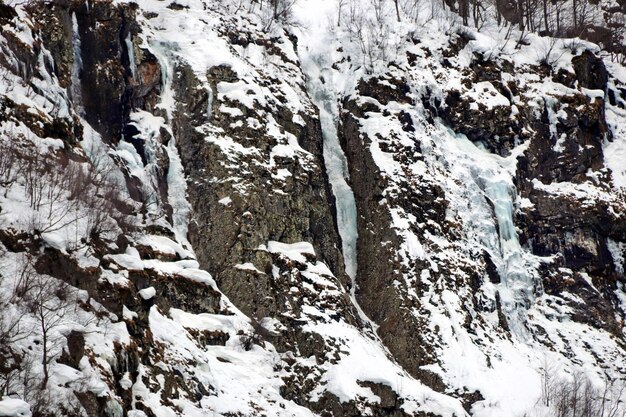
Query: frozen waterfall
point(77, 67)
point(336, 164)
point(513, 271)
point(318, 77)
point(131, 55)
point(492, 181)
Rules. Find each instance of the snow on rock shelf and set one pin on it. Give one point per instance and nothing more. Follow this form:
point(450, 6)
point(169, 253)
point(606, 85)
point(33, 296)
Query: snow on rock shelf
point(10, 407)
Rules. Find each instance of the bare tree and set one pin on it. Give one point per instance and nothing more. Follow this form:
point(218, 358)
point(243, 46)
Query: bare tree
point(49, 301)
point(29, 387)
point(577, 396)
point(548, 371)
point(397, 9)
point(11, 332)
point(411, 9)
point(277, 12)
point(340, 5)
point(8, 163)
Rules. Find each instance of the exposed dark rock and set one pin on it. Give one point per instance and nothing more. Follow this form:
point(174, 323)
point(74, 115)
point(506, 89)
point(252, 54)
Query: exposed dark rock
point(178, 292)
point(385, 90)
point(75, 349)
point(7, 13)
point(209, 338)
point(377, 294)
point(556, 224)
point(10, 359)
point(469, 398)
point(62, 266)
point(27, 55)
point(389, 405)
point(228, 235)
point(56, 20)
point(18, 241)
point(231, 225)
point(590, 71)
point(494, 127)
point(39, 123)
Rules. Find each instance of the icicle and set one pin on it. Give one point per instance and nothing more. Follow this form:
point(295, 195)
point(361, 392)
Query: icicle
point(177, 194)
point(167, 95)
point(131, 55)
point(209, 110)
point(75, 88)
point(113, 409)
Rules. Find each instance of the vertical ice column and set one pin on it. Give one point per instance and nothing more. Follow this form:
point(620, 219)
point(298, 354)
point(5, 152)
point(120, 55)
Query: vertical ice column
point(337, 170)
point(167, 103)
point(75, 88)
point(209, 108)
point(131, 55)
point(176, 181)
point(517, 291)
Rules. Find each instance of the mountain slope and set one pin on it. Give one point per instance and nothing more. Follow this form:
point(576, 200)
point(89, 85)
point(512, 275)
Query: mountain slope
point(233, 214)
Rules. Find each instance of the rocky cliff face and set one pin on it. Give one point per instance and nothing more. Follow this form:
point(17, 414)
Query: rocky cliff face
point(437, 261)
point(173, 240)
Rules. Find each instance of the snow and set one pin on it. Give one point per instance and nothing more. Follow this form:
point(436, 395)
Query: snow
point(129, 260)
point(238, 91)
point(226, 367)
point(211, 322)
point(402, 222)
point(248, 266)
point(293, 251)
point(477, 181)
point(126, 382)
point(197, 275)
point(55, 240)
point(615, 152)
point(147, 293)
point(128, 314)
point(366, 361)
point(486, 93)
point(10, 407)
point(164, 245)
point(617, 250)
point(226, 201)
point(479, 188)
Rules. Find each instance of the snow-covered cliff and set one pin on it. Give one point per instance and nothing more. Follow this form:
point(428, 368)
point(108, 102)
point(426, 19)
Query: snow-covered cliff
point(209, 208)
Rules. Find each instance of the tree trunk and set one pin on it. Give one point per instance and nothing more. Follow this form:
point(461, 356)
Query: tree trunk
point(498, 13)
point(339, 14)
point(44, 360)
point(464, 10)
point(475, 13)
